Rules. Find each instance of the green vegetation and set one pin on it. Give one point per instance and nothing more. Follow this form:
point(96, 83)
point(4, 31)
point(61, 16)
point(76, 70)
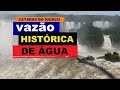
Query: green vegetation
point(112, 57)
point(90, 36)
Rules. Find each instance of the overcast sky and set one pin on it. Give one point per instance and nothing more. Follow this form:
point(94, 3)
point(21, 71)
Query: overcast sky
point(64, 12)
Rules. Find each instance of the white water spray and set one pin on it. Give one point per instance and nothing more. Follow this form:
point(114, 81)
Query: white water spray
point(39, 68)
point(107, 43)
point(82, 50)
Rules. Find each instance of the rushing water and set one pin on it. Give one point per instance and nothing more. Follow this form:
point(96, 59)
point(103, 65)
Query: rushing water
point(42, 68)
point(107, 43)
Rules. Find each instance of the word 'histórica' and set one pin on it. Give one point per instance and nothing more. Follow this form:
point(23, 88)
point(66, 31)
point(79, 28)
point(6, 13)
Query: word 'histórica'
point(40, 37)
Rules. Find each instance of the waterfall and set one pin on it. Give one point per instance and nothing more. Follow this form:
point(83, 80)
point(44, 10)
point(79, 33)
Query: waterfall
point(82, 49)
point(5, 37)
point(67, 25)
point(107, 42)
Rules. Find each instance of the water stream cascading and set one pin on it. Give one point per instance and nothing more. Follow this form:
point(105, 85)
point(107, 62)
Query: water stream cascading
point(107, 43)
point(5, 37)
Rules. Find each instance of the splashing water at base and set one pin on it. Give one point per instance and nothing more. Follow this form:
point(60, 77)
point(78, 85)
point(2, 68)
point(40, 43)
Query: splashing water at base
point(41, 68)
point(82, 50)
point(107, 43)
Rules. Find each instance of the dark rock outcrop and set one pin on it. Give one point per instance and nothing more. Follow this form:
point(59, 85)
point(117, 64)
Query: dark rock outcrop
point(88, 58)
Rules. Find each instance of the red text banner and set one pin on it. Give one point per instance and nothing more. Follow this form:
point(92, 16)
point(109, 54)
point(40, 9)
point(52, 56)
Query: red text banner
point(41, 51)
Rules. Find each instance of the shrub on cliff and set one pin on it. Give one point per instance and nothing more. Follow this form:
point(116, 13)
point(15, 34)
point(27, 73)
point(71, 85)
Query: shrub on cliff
point(112, 57)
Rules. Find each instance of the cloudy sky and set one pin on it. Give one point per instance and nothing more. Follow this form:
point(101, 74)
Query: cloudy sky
point(64, 12)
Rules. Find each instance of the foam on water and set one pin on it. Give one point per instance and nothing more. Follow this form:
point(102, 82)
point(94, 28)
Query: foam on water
point(41, 68)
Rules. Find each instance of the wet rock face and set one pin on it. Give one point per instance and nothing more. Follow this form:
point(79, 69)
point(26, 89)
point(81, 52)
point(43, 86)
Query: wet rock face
point(88, 58)
point(115, 53)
